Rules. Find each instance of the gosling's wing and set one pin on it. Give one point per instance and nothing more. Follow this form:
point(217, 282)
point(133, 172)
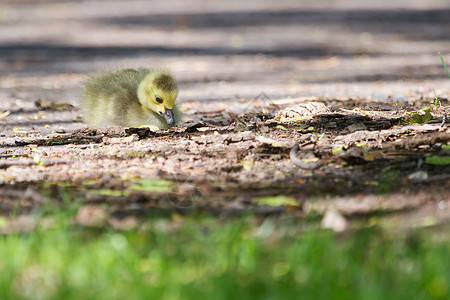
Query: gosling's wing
point(177, 114)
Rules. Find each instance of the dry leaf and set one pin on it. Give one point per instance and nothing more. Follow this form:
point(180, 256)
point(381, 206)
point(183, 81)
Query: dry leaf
point(334, 220)
point(91, 216)
point(301, 111)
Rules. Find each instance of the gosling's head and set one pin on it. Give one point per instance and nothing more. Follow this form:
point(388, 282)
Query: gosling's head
point(158, 92)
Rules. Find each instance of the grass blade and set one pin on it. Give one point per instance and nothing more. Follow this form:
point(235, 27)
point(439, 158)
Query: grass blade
point(446, 70)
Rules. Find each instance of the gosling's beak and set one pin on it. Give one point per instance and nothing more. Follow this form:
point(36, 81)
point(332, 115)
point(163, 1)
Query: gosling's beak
point(168, 115)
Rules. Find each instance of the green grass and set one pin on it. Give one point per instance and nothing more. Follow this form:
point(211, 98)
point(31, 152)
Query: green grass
point(206, 258)
point(445, 66)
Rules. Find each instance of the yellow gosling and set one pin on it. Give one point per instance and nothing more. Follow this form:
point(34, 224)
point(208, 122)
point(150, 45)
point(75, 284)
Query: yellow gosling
point(131, 98)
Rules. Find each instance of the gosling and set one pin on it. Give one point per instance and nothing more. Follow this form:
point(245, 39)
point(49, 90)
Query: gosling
point(131, 98)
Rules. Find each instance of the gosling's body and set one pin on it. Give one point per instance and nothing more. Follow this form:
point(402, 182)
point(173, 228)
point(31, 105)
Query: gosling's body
point(131, 98)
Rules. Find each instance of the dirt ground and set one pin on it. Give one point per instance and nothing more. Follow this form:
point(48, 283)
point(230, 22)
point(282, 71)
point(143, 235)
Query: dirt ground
point(374, 153)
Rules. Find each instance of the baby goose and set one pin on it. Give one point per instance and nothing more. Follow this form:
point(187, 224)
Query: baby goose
point(131, 98)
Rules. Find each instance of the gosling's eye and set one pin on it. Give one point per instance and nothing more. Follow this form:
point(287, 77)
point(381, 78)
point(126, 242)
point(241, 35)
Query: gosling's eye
point(159, 100)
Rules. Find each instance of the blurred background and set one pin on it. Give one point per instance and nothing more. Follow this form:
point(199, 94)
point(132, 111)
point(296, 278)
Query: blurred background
point(228, 50)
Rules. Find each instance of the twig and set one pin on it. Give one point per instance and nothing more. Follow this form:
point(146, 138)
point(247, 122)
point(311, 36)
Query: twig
point(301, 164)
point(4, 164)
point(69, 139)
